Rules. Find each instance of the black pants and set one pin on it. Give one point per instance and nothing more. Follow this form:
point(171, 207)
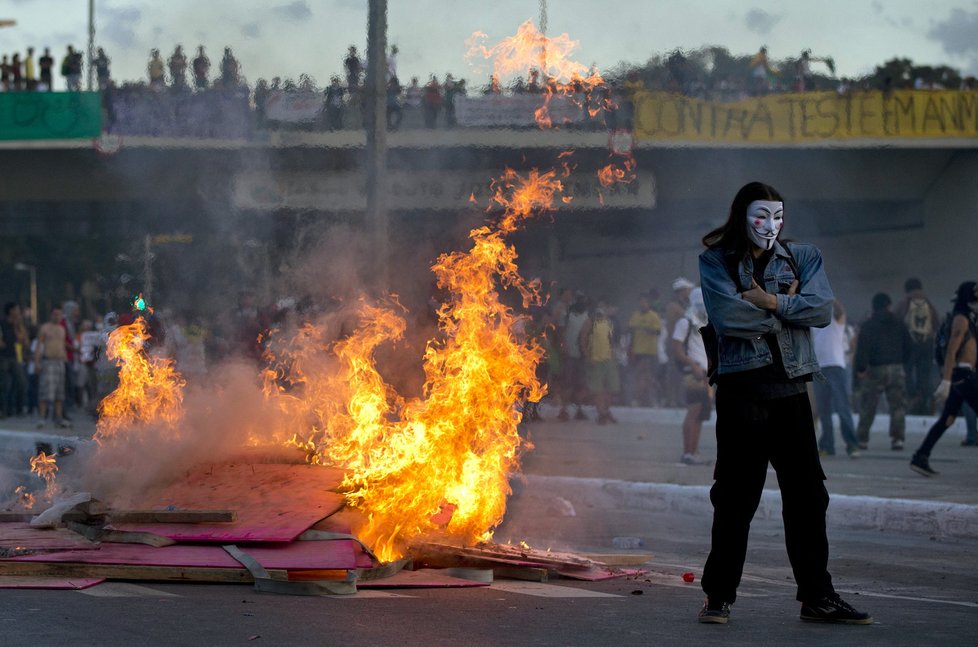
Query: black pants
point(964, 388)
point(750, 434)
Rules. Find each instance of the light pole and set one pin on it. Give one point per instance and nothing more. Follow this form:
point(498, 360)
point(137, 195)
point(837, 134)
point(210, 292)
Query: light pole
point(91, 41)
point(24, 267)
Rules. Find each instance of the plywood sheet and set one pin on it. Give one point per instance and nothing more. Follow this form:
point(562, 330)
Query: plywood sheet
point(336, 554)
point(273, 502)
point(424, 578)
point(23, 582)
point(18, 538)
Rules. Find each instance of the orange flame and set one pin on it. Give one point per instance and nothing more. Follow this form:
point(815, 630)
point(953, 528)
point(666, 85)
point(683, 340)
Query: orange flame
point(150, 390)
point(46, 467)
point(438, 465)
point(24, 498)
point(528, 53)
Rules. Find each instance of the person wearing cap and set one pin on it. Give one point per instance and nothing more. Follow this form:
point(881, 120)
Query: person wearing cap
point(672, 379)
point(763, 296)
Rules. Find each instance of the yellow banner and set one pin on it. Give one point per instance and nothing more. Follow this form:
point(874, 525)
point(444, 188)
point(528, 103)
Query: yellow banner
point(807, 117)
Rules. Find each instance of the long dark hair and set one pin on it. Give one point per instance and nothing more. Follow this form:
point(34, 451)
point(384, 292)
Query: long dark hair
point(964, 296)
point(732, 235)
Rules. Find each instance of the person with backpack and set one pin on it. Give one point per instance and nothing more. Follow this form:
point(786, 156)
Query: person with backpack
point(921, 318)
point(763, 296)
point(882, 351)
point(958, 342)
point(689, 353)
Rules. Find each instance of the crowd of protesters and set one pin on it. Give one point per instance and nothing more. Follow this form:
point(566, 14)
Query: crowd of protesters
point(653, 356)
point(431, 102)
point(596, 356)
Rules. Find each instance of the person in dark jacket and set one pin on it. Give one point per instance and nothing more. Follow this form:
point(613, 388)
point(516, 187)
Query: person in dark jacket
point(763, 296)
point(883, 349)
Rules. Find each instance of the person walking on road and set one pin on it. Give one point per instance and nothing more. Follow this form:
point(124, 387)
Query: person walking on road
point(831, 395)
point(883, 349)
point(762, 299)
point(959, 382)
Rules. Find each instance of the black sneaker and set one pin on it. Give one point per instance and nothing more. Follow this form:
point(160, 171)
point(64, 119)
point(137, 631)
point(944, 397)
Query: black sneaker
point(835, 610)
point(717, 613)
point(921, 465)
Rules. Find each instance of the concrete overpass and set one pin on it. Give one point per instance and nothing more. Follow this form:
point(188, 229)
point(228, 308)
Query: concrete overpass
point(880, 209)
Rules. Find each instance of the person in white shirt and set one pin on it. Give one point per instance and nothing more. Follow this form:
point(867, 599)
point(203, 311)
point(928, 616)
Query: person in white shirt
point(690, 356)
point(831, 395)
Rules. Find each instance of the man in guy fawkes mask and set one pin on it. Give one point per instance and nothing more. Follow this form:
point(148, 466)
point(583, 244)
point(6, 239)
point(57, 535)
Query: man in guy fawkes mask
point(959, 382)
point(762, 298)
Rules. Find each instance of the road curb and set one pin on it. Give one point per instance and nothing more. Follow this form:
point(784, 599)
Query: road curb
point(909, 516)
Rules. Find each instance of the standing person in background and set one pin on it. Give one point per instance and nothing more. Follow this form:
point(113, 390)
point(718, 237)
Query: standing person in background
point(178, 68)
point(690, 354)
point(432, 102)
point(572, 364)
point(101, 63)
point(201, 67)
point(50, 355)
point(597, 342)
point(230, 70)
point(16, 73)
point(155, 69)
point(645, 326)
point(672, 380)
point(354, 69)
point(13, 380)
point(30, 72)
point(46, 63)
point(959, 381)
point(762, 298)
point(882, 350)
point(920, 317)
point(831, 394)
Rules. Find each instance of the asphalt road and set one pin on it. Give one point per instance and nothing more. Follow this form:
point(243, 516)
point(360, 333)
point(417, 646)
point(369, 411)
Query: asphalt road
point(921, 589)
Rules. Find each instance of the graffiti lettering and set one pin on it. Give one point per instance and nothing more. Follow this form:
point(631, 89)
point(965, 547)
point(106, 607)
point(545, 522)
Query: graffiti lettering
point(811, 116)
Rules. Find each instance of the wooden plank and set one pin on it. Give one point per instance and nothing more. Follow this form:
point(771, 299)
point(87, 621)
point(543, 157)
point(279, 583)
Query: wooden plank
point(420, 579)
point(71, 583)
point(172, 516)
point(6, 516)
point(131, 572)
point(274, 502)
point(20, 539)
point(620, 559)
point(525, 573)
point(337, 554)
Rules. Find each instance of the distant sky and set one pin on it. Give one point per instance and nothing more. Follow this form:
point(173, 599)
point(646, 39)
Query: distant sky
point(287, 37)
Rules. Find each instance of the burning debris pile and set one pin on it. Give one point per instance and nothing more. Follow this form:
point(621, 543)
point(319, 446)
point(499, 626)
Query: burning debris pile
point(337, 475)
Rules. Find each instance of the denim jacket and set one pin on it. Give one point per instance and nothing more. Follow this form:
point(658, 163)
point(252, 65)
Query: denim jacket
point(741, 326)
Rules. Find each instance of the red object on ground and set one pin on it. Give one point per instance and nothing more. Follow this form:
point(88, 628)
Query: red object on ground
point(688, 577)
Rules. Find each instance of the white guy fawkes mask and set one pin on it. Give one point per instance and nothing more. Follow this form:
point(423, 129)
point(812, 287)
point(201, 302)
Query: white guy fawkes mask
point(764, 221)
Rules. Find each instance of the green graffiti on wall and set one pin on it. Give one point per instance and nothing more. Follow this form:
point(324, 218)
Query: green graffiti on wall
point(50, 115)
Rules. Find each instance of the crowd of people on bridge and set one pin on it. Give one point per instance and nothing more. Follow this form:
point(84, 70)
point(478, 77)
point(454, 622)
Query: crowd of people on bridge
point(430, 102)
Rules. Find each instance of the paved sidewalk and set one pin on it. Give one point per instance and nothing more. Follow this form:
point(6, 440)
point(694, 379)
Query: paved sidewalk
point(634, 465)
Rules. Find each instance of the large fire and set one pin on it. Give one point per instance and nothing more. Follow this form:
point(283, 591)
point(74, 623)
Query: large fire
point(433, 466)
point(437, 465)
point(529, 52)
point(150, 390)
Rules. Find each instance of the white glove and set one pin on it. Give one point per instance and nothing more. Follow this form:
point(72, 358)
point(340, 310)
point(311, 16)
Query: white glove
point(943, 390)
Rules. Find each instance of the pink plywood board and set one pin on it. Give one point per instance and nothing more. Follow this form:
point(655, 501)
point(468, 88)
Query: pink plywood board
point(20, 537)
point(599, 574)
point(73, 583)
point(273, 502)
point(299, 555)
point(420, 579)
